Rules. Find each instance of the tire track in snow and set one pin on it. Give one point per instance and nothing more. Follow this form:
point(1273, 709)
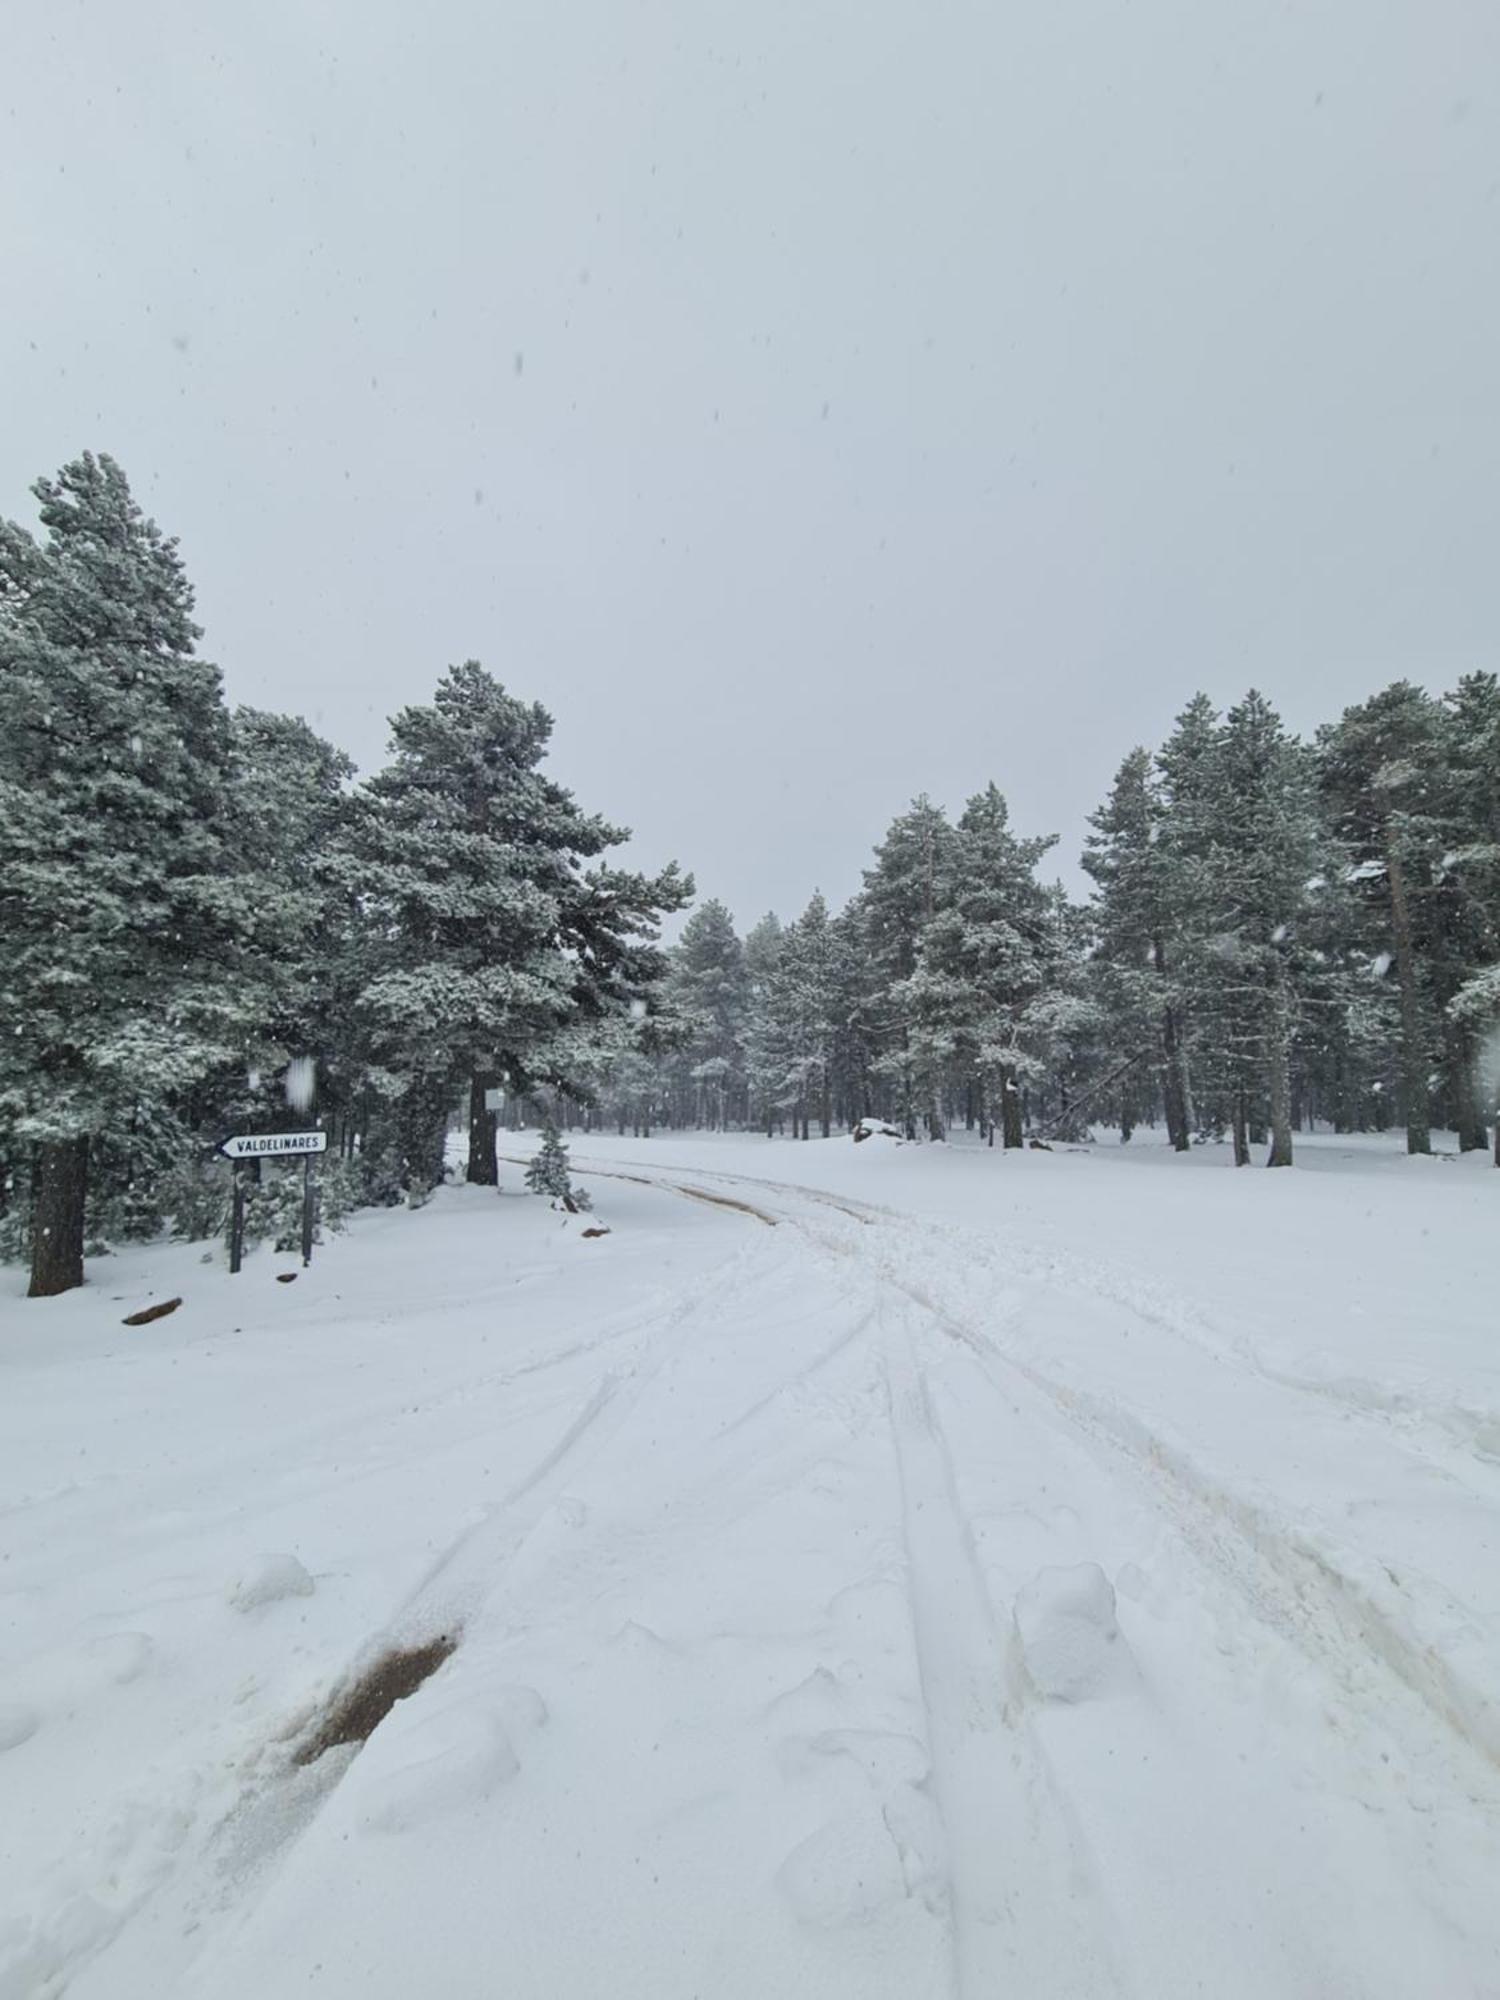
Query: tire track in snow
point(1275, 1566)
point(1291, 1586)
point(1010, 1843)
point(473, 1563)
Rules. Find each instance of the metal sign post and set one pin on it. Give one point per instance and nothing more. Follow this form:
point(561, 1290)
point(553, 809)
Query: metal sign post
point(257, 1146)
point(237, 1224)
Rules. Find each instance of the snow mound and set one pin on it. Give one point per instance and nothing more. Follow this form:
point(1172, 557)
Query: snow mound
point(522, 1708)
point(845, 1873)
point(17, 1722)
point(266, 1579)
point(1069, 1638)
point(443, 1763)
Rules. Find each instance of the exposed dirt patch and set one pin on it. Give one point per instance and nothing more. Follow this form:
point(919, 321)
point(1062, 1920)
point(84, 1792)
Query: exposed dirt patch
point(724, 1201)
point(367, 1701)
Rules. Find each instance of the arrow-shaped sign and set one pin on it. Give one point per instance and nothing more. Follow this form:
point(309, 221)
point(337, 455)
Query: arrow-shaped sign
point(267, 1145)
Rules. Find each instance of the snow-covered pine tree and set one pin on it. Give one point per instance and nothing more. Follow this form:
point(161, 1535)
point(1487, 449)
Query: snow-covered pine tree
point(1187, 790)
point(1265, 845)
point(995, 960)
point(851, 1051)
point(903, 1007)
point(802, 1003)
point(288, 803)
point(120, 977)
point(1467, 896)
point(764, 944)
point(549, 1173)
point(709, 990)
point(1136, 929)
point(1382, 769)
point(488, 943)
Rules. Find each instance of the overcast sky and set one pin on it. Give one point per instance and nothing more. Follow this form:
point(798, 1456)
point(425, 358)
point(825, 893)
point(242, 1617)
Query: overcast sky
point(811, 403)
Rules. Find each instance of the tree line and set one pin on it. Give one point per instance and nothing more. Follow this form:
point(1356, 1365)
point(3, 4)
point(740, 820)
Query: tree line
point(1280, 934)
point(205, 925)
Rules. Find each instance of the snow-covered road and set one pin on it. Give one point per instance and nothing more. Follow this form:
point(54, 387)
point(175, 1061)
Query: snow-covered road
point(874, 1571)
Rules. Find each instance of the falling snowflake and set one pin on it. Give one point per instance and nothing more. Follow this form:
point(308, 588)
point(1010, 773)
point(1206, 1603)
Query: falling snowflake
point(300, 1082)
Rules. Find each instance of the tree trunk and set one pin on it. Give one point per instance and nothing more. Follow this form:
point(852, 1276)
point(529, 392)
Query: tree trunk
point(1174, 1089)
point(1241, 1135)
point(1279, 1078)
point(1010, 1111)
point(1413, 1056)
point(1468, 1118)
point(484, 1169)
point(60, 1186)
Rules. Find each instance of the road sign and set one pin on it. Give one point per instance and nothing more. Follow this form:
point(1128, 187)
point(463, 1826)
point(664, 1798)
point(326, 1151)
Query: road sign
point(273, 1145)
point(494, 1100)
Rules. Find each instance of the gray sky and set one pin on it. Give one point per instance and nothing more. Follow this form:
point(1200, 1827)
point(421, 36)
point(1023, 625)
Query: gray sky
point(810, 403)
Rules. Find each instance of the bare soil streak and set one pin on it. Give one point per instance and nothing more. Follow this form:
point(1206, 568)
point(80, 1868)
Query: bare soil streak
point(366, 1702)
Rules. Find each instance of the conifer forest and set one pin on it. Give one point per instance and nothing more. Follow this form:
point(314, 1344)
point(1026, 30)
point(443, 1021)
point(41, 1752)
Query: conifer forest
point(208, 919)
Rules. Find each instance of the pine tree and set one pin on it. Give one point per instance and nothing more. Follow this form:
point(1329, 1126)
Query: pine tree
point(1467, 891)
point(802, 1002)
point(1137, 932)
point(548, 1173)
point(288, 804)
point(120, 981)
point(491, 944)
point(993, 959)
point(904, 1005)
point(1382, 773)
point(709, 990)
point(762, 1032)
point(1265, 848)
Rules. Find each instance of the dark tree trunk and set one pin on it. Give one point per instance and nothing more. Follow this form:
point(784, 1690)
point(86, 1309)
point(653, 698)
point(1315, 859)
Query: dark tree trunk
point(1174, 1087)
point(1010, 1112)
point(484, 1168)
point(1279, 1079)
point(60, 1187)
point(1468, 1118)
point(1241, 1132)
point(1413, 1055)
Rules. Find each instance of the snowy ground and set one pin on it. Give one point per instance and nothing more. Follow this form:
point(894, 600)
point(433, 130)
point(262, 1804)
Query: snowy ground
point(1073, 1574)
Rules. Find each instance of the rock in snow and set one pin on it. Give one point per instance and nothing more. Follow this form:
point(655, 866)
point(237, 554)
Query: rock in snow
point(1069, 1637)
point(874, 1128)
point(266, 1579)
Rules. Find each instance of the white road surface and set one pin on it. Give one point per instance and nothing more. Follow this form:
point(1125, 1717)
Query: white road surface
point(875, 1571)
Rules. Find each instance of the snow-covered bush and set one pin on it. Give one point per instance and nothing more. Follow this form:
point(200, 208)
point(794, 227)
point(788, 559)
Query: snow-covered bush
point(273, 1212)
